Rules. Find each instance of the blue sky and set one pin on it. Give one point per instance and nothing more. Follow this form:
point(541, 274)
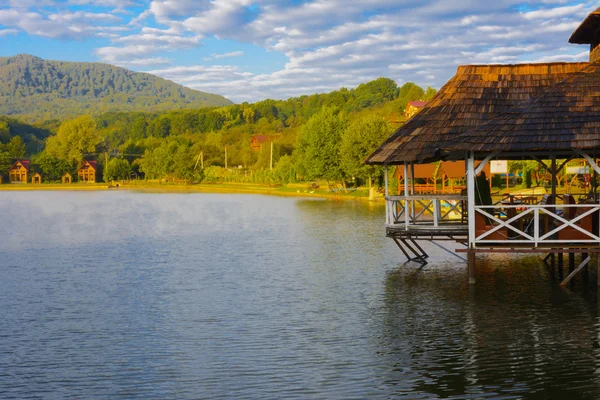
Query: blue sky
point(249, 50)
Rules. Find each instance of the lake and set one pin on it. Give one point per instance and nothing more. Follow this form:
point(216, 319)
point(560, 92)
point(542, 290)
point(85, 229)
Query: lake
point(206, 296)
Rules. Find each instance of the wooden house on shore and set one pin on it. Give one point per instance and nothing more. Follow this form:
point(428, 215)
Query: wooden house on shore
point(546, 111)
point(87, 172)
point(36, 178)
point(66, 178)
point(19, 171)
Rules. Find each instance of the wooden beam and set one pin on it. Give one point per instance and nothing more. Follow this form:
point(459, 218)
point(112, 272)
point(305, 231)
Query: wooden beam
point(589, 159)
point(572, 274)
point(483, 163)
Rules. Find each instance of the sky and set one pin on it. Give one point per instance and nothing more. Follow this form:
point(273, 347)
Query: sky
point(250, 50)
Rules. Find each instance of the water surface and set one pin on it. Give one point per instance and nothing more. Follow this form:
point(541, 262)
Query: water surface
point(188, 296)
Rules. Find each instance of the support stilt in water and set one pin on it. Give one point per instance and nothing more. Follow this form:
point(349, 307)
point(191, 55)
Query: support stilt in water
point(585, 271)
point(419, 255)
point(571, 262)
point(472, 267)
point(554, 267)
point(561, 264)
point(572, 274)
point(598, 267)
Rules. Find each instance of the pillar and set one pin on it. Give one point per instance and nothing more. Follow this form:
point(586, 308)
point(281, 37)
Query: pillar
point(472, 267)
point(471, 213)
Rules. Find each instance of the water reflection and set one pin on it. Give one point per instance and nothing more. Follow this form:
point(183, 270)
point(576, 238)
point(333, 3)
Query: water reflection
point(124, 295)
point(515, 333)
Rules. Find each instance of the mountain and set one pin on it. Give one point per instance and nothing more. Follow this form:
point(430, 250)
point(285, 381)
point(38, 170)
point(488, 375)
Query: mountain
point(35, 90)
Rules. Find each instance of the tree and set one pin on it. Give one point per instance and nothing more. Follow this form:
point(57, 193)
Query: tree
point(4, 132)
point(319, 144)
point(116, 169)
point(52, 167)
point(15, 148)
point(74, 139)
point(359, 140)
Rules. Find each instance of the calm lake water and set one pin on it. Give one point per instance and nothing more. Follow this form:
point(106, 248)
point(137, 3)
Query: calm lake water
point(207, 296)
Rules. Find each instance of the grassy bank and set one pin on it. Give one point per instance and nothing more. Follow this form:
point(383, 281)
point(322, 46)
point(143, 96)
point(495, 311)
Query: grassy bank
point(298, 190)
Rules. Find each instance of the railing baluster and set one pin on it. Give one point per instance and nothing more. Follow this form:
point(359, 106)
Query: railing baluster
point(536, 226)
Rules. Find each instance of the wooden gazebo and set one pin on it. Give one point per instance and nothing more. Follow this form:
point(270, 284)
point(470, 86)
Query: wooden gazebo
point(545, 111)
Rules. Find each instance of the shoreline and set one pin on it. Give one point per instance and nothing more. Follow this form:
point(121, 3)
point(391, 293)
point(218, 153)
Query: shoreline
point(292, 190)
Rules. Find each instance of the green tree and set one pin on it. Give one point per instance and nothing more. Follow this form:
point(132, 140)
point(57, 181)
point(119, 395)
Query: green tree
point(74, 139)
point(116, 169)
point(53, 168)
point(319, 144)
point(359, 140)
point(4, 131)
point(15, 148)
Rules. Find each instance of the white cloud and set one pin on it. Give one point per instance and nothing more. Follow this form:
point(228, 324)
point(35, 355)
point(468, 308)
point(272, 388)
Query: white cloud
point(325, 44)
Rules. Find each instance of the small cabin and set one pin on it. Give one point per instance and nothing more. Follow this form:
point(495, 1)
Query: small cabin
point(414, 107)
point(87, 172)
point(36, 178)
point(67, 178)
point(19, 171)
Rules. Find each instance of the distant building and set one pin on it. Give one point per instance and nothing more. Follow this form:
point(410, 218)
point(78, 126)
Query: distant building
point(67, 178)
point(19, 171)
point(414, 107)
point(87, 172)
point(36, 178)
point(257, 141)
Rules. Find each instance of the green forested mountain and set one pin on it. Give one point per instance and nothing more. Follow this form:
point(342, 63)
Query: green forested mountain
point(37, 90)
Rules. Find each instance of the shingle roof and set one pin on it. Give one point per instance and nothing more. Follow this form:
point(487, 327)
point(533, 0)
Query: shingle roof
point(565, 116)
point(475, 95)
point(586, 32)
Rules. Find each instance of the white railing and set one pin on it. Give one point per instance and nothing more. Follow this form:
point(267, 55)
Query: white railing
point(431, 210)
point(537, 224)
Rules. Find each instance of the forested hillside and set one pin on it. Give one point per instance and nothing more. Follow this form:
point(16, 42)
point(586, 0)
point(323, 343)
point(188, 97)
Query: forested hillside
point(321, 136)
point(36, 90)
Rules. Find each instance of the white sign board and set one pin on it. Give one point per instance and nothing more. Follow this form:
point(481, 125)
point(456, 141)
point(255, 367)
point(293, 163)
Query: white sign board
point(499, 167)
point(578, 170)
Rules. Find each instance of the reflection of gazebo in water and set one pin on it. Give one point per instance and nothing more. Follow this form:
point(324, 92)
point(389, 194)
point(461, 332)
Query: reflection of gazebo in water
point(532, 111)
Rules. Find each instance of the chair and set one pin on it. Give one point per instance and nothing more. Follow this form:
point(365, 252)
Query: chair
point(586, 223)
point(569, 212)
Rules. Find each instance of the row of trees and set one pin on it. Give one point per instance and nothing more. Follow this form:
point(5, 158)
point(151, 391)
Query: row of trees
point(323, 136)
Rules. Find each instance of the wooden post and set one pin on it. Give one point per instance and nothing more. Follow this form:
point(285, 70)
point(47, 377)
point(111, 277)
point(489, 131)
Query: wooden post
point(571, 262)
point(271, 163)
point(598, 276)
point(471, 213)
point(553, 172)
point(472, 268)
point(412, 178)
point(225, 157)
point(202, 159)
point(406, 202)
point(385, 176)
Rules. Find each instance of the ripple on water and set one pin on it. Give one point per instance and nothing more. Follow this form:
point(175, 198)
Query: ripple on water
point(122, 295)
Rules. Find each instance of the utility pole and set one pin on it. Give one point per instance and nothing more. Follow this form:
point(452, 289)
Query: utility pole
point(197, 161)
